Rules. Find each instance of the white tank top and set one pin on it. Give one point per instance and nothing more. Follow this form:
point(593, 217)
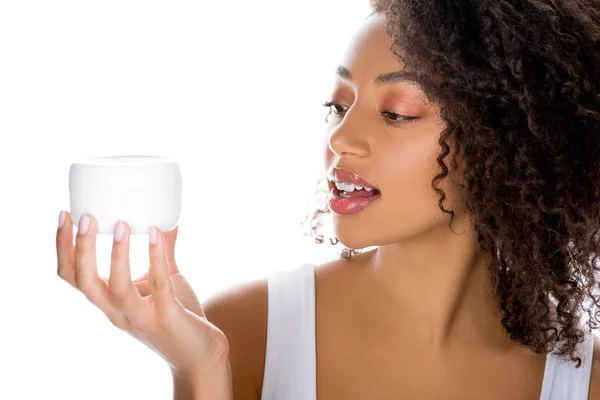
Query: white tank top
point(290, 360)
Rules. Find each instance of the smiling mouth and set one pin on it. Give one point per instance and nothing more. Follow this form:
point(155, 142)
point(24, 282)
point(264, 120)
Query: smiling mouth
point(347, 184)
point(345, 199)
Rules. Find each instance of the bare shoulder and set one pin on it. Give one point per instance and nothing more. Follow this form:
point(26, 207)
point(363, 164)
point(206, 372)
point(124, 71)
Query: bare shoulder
point(594, 393)
point(241, 313)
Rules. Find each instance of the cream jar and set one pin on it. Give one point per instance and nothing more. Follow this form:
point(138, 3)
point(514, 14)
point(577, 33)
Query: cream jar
point(140, 190)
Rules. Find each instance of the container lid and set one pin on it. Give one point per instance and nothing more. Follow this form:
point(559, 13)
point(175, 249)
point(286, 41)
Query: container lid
point(127, 171)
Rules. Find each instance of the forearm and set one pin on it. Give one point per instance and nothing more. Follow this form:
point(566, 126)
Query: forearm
point(216, 386)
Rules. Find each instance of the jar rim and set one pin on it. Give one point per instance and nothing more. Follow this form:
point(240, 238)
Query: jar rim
point(125, 160)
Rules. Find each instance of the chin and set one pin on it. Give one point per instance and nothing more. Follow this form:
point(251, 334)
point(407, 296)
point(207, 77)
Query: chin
point(356, 235)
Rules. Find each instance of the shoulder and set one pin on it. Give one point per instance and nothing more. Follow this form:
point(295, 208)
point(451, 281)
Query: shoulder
point(594, 393)
point(240, 312)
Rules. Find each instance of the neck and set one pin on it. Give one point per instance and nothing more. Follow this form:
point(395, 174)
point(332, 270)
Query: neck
point(440, 285)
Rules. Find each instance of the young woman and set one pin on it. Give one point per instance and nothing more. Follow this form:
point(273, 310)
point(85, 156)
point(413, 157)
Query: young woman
point(463, 144)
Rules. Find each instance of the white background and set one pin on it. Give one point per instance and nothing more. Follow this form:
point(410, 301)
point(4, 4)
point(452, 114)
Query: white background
point(232, 89)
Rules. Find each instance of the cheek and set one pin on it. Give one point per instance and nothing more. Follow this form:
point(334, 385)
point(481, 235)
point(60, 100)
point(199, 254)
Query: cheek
point(408, 174)
point(407, 164)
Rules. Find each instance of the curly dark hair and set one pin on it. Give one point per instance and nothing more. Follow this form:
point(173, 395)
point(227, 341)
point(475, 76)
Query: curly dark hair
point(517, 83)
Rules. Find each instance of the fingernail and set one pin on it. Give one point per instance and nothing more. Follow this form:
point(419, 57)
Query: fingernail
point(152, 235)
point(84, 224)
point(61, 219)
point(119, 232)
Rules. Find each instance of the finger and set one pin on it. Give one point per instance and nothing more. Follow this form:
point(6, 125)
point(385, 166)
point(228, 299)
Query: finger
point(64, 250)
point(85, 254)
point(122, 290)
point(170, 239)
point(86, 272)
point(161, 287)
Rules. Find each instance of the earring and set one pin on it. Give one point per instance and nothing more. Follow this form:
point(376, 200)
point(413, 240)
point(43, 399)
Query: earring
point(347, 253)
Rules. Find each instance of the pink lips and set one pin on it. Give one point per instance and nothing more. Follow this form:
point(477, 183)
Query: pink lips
point(345, 206)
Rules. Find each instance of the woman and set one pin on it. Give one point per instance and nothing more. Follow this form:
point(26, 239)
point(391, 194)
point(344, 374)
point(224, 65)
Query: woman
point(463, 144)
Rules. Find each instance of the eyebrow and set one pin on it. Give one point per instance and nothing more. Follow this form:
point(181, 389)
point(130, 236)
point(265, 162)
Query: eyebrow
point(389, 78)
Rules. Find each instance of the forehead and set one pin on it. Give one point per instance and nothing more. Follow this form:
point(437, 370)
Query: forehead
point(368, 51)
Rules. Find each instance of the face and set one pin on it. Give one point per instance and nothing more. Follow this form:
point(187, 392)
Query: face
point(387, 134)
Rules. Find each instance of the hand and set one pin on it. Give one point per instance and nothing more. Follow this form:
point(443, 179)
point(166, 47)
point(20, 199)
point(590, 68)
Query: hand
point(159, 309)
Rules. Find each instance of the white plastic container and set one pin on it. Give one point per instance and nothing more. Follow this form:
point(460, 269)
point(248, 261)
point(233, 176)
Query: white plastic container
point(142, 191)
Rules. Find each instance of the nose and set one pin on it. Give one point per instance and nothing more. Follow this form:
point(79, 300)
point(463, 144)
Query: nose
point(348, 137)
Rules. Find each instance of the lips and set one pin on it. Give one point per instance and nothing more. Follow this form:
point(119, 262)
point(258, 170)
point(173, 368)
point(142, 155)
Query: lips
point(344, 175)
point(345, 203)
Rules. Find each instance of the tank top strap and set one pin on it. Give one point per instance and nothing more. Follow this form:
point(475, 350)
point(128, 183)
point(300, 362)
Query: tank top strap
point(562, 381)
point(290, 359)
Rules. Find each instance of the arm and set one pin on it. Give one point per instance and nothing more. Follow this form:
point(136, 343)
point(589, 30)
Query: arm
point(217, 386)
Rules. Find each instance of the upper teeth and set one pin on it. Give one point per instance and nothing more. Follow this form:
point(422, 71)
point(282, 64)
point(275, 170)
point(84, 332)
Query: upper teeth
point(349, 187)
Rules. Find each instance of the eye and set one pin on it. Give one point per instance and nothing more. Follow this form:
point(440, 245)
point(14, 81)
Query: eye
point(337, 108)
point(392, 119)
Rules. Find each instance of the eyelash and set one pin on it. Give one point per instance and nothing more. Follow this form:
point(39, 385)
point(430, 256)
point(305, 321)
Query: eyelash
point(394, 123)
